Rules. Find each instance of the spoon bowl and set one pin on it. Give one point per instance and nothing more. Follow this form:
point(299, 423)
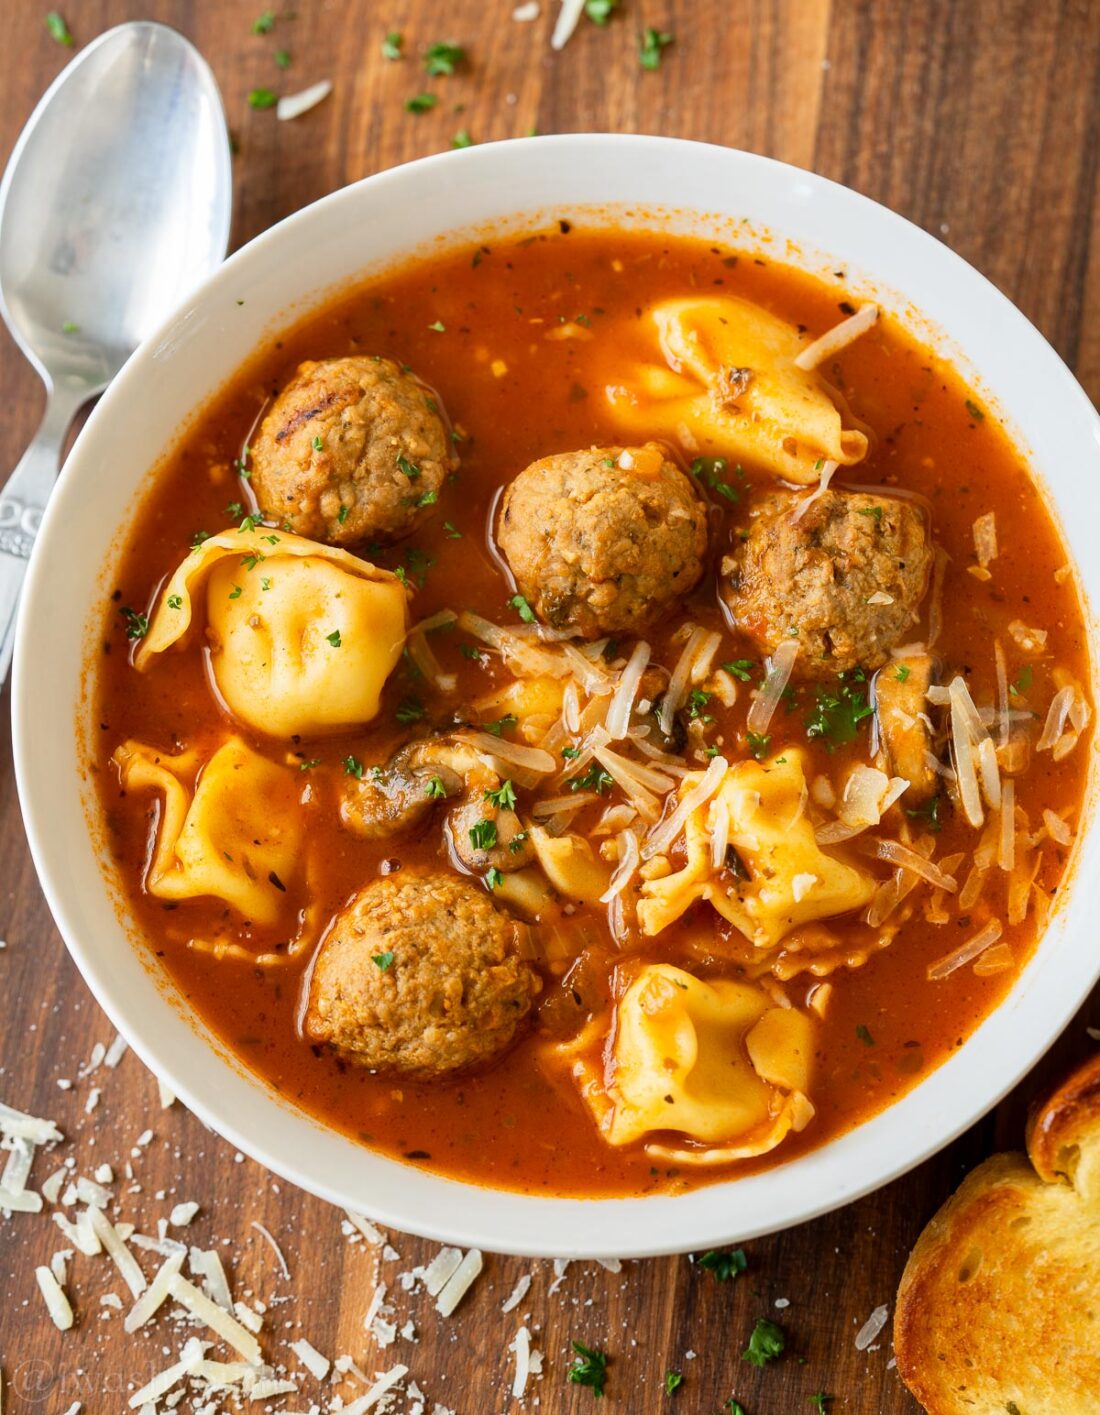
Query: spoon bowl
point(115, 205)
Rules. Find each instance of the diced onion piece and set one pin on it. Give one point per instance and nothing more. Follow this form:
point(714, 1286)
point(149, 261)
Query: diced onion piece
point(567, 21)
point(1056, 718)
point(617, 720)
point(663, 835)
point(676, 693)
point(985, 538)
point(1006, 845)
point(1057, 829)
point(629, 859)
point(966, 952)
point(780, 667)
point(837, 338)
point(906, 859)
point(293, 105)
point(828, 471)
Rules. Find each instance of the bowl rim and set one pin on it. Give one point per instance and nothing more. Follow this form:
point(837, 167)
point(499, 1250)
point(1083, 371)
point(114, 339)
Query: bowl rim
point(428, 1204)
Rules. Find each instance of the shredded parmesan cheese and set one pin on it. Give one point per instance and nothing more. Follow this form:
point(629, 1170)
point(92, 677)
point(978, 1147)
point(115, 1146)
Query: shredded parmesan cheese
point(837, 338)
point(966, 952)
point(57, 1304)
point(459, 1284)
point(293, 105)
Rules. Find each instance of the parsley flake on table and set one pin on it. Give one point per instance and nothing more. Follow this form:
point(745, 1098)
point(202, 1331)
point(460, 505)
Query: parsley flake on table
point(765, 1344)
point(392, 44)
point(724, 1264)
point(504, 796)
point(443, 59)
point(265, 23)
point(282, 58)
point(262, 98)
point(589, 1368)
point(821, 1402)
point(600, 11)
point(673, 1381)
point(650, 46)
point(462, 138)
point(734, 1406)
point(382, 960)
point(58, 29)
point(421, 103)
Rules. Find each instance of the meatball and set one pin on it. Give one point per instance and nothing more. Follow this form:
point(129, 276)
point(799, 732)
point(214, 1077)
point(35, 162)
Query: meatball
point(352, 450)
point(603, 541)
point(846, 579)
point(419, 974)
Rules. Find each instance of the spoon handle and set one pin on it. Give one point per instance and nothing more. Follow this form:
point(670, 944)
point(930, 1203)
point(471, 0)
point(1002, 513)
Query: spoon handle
point(22, 502)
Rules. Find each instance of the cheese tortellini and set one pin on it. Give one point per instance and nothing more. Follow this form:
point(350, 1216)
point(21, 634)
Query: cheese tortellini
point(713, 1061)
point(236, 835)
point(302, 636)
point(728, 386)
point(791, 881)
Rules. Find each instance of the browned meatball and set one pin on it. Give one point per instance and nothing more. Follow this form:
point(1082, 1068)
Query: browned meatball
point(419, 974)
point(603, 541)
point(352, 450)
point(846, 579)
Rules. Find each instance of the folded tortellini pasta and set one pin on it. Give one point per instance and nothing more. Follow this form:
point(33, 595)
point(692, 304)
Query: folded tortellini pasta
point(714, 1061)
point(302, 636)
point(727, 386)
point(235, 835)
point(790, 880)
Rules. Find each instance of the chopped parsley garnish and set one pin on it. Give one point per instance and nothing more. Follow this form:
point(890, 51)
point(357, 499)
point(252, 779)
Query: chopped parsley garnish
point(930, 812)
point(711, 472)
point(452, 534)
point(198, 538)
point(864, 1034)
point(724, 1265)
point(342, 514)
point(429, 498)
point(740, 668)
point(504, 796)
point(673, 1379)
point(765, 1344)
point(382, 960)
point(438, 327)
point(262, 98)
point(353, 767)
point(443, 58)
point(234, 509)
point(758, 743)
point(570, 752)
point(435, 788)
point(175, 601)
point(589, 1368)
point(821, 1402)
point(509, 720)
point(516, 844)
point(1023, 680)
point(421, 103)
point(58, 29)
point(236, 592)
point(600, 11)
point(594, 779)
point(265, 583)
point(522, 608)
point(471, 651)
point(697, 701)
point(901, 673)
point(407, 468)
point(282, 58)
point(251, 561)
point(493, 877)
point(318, 444)
point(137, 625)
point(483, 835)
point(419, 564)
point(837, 714)
point(974, 411)
point(271, 540)
point(410, 710)
point(309, 765)
point(650, 45)
point(391, 45)
point(334, 638)
point(251, 521)
point(875, 511)
point(265, 23)
point(734, 1406)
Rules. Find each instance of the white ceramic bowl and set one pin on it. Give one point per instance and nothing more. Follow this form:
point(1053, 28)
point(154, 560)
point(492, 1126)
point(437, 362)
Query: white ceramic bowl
point(280, 274)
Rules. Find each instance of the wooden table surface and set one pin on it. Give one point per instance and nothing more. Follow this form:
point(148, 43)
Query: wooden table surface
point(980, 122)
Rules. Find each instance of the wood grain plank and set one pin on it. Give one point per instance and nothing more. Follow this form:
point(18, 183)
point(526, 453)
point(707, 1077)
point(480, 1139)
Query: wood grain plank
point(980, 123)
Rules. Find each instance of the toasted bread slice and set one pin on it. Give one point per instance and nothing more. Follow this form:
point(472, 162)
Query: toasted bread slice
point(998, 1311)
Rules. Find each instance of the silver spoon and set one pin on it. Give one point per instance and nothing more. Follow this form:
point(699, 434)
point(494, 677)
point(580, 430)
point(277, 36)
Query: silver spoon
point(114, 206)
